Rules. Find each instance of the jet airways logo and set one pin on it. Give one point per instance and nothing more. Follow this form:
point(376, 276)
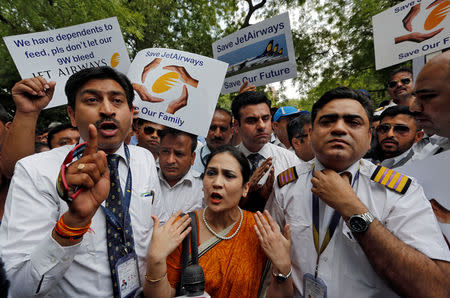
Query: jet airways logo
point(165, 82)
point(437, 15)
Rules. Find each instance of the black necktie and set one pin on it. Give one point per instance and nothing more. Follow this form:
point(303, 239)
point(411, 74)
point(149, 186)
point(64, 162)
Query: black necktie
point(254, 159)
point(119, 238)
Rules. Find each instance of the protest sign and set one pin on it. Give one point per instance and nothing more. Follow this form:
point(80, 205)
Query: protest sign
point(260, 54)
point(176, 88)
point(435, 185)
point(57, 54)
point(410, 29)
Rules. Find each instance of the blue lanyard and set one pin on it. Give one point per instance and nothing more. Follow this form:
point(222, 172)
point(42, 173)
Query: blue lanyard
point(331, 228)
point(125, 198)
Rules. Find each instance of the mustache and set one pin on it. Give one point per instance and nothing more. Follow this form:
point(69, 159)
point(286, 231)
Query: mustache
point(217, 139)
point(390, 139)
point(106, 119)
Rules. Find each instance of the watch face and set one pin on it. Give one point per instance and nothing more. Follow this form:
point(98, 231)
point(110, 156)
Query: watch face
point(357, 224)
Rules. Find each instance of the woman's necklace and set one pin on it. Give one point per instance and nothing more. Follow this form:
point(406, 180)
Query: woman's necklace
point(217, 235)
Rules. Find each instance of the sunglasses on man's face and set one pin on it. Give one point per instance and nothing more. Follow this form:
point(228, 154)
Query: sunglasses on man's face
point(404, 81)
point(148, 130)
point(399, 129)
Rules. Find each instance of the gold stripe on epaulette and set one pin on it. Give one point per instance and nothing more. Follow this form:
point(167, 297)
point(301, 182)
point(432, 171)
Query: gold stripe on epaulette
point(287, 176)
point(391, 179)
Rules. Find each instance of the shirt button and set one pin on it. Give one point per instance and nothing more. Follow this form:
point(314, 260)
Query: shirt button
point(52, 259)
point(325, 259)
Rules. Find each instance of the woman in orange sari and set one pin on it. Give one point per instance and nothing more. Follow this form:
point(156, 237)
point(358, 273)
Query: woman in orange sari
point(239, 242)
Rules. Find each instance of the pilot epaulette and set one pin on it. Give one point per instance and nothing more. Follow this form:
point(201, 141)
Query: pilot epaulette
point(287, 176)
point(391, 179)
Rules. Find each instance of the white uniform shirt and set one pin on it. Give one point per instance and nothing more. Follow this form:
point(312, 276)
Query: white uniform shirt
point(200, 154)
point(437, 143)
point(343, 265)
point(282, 158)
point(399, 160)
point(186, 195)
point(35, 263)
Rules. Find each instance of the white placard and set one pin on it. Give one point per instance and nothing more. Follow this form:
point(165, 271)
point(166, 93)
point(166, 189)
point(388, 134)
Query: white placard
point(261, 54)
point(177, 89)
point(433, 174)
point(410, 29)
point(57, 54)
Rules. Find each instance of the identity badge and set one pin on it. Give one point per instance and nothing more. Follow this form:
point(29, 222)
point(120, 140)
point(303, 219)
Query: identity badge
point(313, 287)
point(128, 275)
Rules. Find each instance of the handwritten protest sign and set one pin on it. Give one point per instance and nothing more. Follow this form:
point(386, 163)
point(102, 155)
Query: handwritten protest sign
point(57, 54)
point(261, 54)
point(435, 186)
point(410, 29)
point(176, 88)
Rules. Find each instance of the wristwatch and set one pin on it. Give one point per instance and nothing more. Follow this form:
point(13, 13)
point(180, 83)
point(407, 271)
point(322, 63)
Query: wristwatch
point(280, 277)
point(359, 223)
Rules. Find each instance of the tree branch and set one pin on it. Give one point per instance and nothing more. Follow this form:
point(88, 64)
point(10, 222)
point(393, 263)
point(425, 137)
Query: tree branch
point(251, 9)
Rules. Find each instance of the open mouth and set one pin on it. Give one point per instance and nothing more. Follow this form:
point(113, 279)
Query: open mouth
point(108, 128)
point(215, 198)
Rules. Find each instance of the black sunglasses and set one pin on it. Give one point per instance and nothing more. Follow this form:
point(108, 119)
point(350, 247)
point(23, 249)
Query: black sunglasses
point(398, 129)
point(148, 130)
point(404, 81)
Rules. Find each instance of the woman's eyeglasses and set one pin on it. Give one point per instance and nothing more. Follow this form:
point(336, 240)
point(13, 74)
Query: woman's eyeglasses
point(148, 130)
point(404, 81)
point(398, 129)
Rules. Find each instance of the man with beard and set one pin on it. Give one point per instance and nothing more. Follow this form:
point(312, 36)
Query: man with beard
point(357, 230)
point(220, 133)
point(400, 87)
point(91, 231)
point(396, 133)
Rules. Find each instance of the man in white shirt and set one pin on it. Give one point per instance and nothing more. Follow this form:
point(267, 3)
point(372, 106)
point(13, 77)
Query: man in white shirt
point(299, 133)
point(357, 230)
point(72, 256)
point(396, 133)
point(181, 186)
point(431, 106)
point(251, 111)
point(219, 133)
point(281, 119)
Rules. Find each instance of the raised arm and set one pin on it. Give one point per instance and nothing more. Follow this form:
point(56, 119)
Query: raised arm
point(30, 97)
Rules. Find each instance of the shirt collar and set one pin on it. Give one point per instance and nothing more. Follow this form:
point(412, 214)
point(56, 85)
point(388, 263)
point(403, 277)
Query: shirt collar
point(188, 178)
point(264, 151)
point(390, 162)
point(352, 169)
point(120, 151)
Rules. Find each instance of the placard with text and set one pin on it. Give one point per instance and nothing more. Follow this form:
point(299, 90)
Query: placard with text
point(260, 54)
point(57, 54)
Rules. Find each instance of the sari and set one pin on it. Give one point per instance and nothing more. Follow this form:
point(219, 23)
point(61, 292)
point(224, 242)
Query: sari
point(232, 268)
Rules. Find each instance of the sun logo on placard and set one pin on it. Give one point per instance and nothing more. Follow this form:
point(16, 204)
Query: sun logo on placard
point(437, 15)
point(115, 58)
point(165, 82)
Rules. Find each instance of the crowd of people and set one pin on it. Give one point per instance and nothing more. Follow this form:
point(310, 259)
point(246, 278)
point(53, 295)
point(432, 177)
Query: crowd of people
point(277, 202)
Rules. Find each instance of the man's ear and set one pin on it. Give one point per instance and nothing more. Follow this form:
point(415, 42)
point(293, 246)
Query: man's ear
point(192, 158)
point(8, 124)
point(71, 113)
point(419, 136)
point(275, 125)
point(235, 124)
point(295, 142)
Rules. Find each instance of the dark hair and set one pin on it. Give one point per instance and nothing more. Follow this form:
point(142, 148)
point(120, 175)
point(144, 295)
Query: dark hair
point(176, 132)
point(238, 155)
point(396, 110)
point(78, 79)
point(38, 146)
point(400, 69)
point(57, 129)
point(296, 126)
point(245, 99)
point(227, 112)
point(4, 115)
point(342, 93)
